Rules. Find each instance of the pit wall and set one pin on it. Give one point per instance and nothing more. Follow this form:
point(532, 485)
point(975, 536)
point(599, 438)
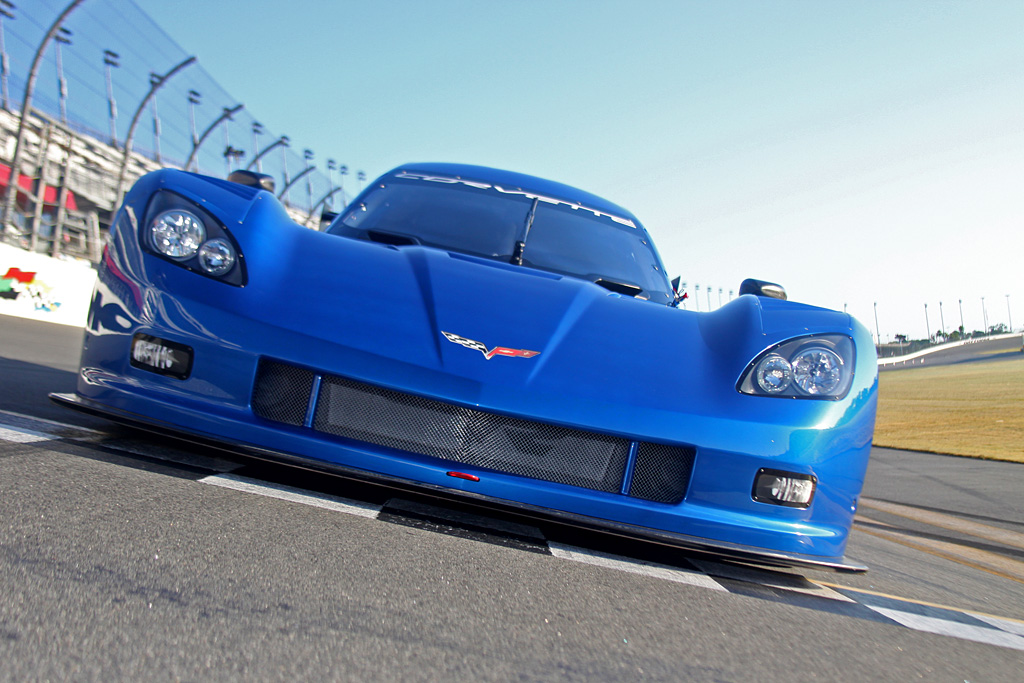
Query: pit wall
point(42, 288)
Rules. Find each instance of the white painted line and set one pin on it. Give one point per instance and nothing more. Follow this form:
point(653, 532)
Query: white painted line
point(782, 581)
point(1002, 624)
point(625, 564)
point(294, 495)
point(17, 435)
point(942, 627)
point(41, 422)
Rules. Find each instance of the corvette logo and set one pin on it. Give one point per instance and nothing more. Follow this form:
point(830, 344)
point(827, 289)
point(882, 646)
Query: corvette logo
point(489, 353)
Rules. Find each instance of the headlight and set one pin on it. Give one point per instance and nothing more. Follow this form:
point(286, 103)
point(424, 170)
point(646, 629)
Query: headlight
point(819, 366)
point(189, 236)
point(216, 256)
point(177, 234)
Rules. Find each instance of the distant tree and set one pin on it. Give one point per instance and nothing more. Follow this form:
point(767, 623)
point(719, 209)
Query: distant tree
point(997, 329)
point(901, 338)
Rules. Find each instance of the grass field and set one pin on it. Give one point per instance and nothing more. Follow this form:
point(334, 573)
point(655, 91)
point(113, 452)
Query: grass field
point(974, 409)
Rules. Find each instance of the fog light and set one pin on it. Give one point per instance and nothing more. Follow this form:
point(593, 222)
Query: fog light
point(784, 488)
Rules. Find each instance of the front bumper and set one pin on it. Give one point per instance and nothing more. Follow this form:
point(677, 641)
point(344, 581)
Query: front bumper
point(717, 548)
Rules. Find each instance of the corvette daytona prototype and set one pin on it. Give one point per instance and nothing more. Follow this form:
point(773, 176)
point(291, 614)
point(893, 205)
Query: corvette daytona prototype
point(487, 336)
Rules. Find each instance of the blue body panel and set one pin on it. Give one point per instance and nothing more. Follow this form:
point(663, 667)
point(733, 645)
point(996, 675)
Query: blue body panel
point(375, 313)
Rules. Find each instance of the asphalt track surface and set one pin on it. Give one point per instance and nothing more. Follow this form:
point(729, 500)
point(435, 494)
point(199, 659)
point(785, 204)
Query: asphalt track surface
point(125, 557)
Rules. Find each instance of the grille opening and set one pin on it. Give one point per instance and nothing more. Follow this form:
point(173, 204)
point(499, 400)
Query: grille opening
point(392, 419)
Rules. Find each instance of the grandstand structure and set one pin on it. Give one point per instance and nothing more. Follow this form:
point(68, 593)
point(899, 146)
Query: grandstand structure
point(109, 105)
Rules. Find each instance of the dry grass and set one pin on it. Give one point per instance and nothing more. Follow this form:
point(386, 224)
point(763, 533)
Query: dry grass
point(974, 409)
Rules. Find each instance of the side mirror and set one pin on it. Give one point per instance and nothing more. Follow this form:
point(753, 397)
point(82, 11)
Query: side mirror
point(762, 288)
point(252, 179)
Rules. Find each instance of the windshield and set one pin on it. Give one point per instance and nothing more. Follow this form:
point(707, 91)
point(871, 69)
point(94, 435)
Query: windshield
point(509, 225)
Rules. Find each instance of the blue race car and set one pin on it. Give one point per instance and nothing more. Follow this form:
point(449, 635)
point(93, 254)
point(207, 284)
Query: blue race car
point(489, 336)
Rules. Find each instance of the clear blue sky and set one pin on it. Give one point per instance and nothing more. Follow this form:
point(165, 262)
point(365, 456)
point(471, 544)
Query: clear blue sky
point(852, 151)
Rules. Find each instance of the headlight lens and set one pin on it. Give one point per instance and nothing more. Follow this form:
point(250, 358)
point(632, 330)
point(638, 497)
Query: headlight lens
point(817, 371)
point(216, 256)
point(190, 236)
point(177, 234)
point(818, 366)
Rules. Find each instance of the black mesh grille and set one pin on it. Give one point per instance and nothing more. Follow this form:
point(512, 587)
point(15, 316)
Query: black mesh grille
point(471, 437)
point(393, 419)
point(282, 393)
point(661, 473)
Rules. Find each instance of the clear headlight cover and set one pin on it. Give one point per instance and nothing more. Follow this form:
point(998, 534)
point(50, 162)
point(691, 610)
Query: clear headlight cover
point(216, 256)
point(815, 367)
point(177, 233)
point(180, 231)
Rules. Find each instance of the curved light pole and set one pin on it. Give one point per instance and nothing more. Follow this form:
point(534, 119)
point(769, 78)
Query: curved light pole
point(257, 131)
point(62, 38)
point(26, 110)
point(307, 155)
point(6, 10)
point(283, 140)
point(321, 202)
point(305, 171)
point(111, 59)
point(155, 83)
point(225, 115)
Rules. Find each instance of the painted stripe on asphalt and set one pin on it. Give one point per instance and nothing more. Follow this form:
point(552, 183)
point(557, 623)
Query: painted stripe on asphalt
point(632, 566)
point(787, 582)
point(944, 627)
point(1013, 539)
point(294, 495)
point(16, 435)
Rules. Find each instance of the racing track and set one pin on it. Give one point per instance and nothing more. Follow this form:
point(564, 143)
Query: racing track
point(124, 557)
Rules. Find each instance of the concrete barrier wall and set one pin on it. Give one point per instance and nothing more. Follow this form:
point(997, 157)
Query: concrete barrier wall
point(43, 288)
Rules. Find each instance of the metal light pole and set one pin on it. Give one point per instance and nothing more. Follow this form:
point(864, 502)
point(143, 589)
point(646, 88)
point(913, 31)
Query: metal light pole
point(696, 296)
point(332, 166)
point(62, 38)
point(6, 10)
point(927, 325)
point(361, 178)
point(26, 108)
point(284, 175)
point(194, 98)
point(719, 297)
point(708, 290)
point(963, 330)
point(878, 335)
point(154, 80)
point(305, 172)
point(984, 315)
point(283, 140)
point(225, 115)
point(307, 155)
point(942, 320)
point(257, 131)
point(155, 83)
point(110, 60)
point(342, 172)
point(1009, 316)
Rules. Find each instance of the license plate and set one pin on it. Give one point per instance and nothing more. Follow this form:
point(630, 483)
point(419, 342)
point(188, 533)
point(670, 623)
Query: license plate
point(161, 356)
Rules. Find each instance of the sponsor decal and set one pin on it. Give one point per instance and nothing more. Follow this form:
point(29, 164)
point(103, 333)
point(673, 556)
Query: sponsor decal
point(489, 353)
